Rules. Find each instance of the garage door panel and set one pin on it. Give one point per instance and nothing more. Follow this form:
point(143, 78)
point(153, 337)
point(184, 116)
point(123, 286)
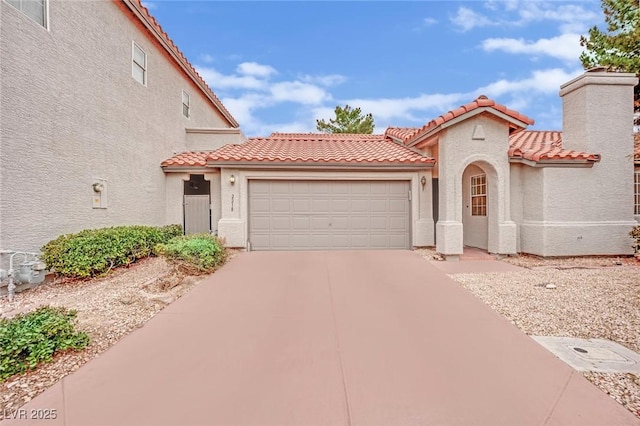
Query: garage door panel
point(359, 223)
point(379, 206)
point(301, 223)
point(300, 187)
point(261, 205)
point(340, 241)
point(320, 205)
point(397, 206)
point(319, 223)
point(301, 205)
point(358, 206)
point(397, 190)
point(340, 188)
point(340, 224)
point(397, 223)
point(280, 205)
point(280, 223)
point(299, 215)
point(379, 223)
point(319, 188)
point(340, 206)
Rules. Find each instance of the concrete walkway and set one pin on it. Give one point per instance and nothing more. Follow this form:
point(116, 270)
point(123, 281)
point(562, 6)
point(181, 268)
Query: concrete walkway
point(327, 338)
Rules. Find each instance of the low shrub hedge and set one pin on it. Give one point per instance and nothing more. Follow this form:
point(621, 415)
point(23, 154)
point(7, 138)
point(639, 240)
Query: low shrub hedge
point(32, 338)
point(635, 234)
point(202, 251)
point(94, 251)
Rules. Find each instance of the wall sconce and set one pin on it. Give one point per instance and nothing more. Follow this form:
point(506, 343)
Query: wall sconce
point(232, 179)
point(423, 181)
point(97, 187)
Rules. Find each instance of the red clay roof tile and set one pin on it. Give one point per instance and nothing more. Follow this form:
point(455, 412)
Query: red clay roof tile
point(536, 145)
point(320, 148)
point(186, 159)
point(481, 101)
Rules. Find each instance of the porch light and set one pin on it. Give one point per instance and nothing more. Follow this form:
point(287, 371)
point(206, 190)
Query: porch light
point(423, 181)
point(232, 179)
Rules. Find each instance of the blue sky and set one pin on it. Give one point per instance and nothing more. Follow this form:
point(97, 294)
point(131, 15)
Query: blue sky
point(277, 66)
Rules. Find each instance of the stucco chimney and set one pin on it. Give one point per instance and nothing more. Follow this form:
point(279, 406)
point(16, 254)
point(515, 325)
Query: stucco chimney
point(597, 110)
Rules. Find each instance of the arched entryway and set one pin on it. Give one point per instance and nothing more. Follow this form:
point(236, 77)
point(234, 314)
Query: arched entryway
point(475, 207)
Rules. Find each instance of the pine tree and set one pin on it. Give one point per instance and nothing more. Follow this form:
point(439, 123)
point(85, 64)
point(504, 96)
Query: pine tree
point(617, 48)
point(347, 121)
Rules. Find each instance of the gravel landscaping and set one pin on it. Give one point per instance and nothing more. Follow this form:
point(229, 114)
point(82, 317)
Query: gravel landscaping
point(591, 297)
point(108, 308)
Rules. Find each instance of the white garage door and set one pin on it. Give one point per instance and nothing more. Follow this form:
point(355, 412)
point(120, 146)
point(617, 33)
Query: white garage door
point(308, 215)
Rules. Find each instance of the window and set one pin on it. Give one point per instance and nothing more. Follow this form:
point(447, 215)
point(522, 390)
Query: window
point(479, 195)
point(34, 9)
point(636, 186)
point(185, 104)
point(139, 65)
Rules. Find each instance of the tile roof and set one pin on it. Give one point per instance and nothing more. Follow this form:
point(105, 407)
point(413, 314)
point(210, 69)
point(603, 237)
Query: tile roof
point(314, 148)
point(537, 146)
point(188, 159)
point(309, 148)
point(532, 145)
point(400, 132)
point(324, 136)
point(171, 47)
point(480, 102)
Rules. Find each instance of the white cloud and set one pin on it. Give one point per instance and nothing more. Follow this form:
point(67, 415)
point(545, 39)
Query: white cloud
point(419, 109)
point(429, 21)
point(218, 80)
point(150, 5)
point(206, 58)
point(572, 18)
point(539, 82)
point(297, 91)
point(255, 69)
point(324, 80)
point(566, 46)
point(467, 19)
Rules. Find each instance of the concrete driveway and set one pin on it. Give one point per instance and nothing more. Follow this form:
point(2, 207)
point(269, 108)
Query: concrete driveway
point(327, 338)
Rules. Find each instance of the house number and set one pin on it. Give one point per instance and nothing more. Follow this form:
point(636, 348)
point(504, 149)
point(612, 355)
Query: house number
point(232, 196)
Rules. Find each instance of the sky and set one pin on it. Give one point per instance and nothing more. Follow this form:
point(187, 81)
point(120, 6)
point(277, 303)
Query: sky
point(279, 66)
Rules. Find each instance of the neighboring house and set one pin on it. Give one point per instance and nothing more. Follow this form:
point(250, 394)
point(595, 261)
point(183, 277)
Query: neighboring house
point(94, 95)
point(471, 177)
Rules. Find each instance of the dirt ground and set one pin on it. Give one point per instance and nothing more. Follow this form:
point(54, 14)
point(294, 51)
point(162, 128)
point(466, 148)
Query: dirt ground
point(108, 309)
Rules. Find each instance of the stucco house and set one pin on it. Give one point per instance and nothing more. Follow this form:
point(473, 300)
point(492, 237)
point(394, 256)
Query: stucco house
point(105, 122)
point(471, 177)
point(94, 95)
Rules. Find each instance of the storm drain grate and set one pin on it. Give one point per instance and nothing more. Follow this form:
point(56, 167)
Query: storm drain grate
point(592, 354)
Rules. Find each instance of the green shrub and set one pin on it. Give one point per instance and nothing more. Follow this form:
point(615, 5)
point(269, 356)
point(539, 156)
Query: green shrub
point(635, 234)
point(94, 251)
point(202, 251)
point(29, 339)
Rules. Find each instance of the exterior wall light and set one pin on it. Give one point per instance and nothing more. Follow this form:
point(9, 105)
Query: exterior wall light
point(232, 179)
point(423, 181)
point(97, 187)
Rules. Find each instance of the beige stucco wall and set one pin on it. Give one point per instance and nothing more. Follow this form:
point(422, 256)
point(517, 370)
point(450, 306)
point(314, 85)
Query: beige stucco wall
point(585, 211)
point(457, 150)
point(71, 112)
point(204, 139)
point(233, 223)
